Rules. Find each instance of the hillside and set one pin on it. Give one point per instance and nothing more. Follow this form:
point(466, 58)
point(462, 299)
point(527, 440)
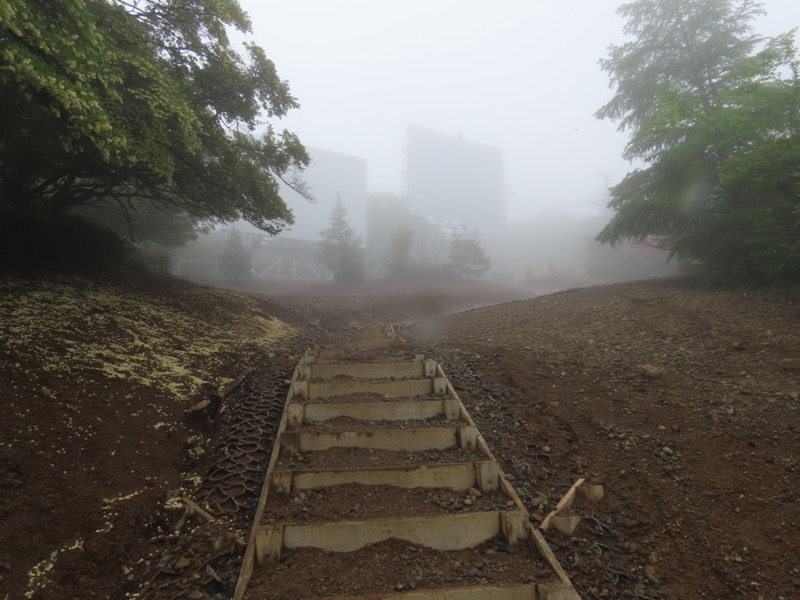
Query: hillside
point(681, 400)
point(97, 375)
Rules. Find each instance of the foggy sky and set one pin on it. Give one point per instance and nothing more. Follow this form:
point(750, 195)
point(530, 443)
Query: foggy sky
point(520, 75)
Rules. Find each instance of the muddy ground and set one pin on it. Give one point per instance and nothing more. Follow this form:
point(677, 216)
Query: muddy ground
point(682, 401)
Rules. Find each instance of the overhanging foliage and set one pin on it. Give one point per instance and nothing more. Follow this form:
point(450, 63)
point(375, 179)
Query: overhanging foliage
point(107, 101)
point(713, 112)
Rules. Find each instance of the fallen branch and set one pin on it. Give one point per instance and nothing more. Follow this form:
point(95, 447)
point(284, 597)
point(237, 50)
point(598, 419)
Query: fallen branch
point(233, 385)
point(196, 509)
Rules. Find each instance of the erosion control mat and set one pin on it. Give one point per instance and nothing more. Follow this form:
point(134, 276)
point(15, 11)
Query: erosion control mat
point(380, 485)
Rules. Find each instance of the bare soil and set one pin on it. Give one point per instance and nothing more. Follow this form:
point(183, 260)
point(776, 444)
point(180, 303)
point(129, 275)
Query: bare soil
point(367, 457)
point(358, 502)
point(681, 400)
point(397, 566)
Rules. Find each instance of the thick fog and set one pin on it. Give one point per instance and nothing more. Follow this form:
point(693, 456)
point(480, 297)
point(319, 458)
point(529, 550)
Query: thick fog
point(518, 75)
point(402, 100)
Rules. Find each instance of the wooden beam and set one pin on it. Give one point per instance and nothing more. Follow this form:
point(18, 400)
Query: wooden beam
point(299, 389)
point(289, 443)
point(295, 415)
point(556, 591)
point(565, 523)
point(406, 370)
point(399, 388)
point(487, 476)
point(468, 438)
point(451, 409)
point(515, 526)
point(592, 493)
point(546, 553)
point(455, 476)
point(398, 440)
point(526, 591)
point(442, 532)
point(430, 367)
point(565, 502)
point(398, 410)
point(269, 544)
point(282, 481)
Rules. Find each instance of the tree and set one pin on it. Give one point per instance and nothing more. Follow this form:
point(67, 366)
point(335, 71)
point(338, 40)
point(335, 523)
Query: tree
point(340, 247)
point(236, 260)
point(713, 112)
point(467, 257)
point(398, 258)
point(122, 101)
point(146, 224)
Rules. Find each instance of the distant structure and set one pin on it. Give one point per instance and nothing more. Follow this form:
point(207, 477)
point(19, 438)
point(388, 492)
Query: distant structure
point(449, 179)
point(329, 175)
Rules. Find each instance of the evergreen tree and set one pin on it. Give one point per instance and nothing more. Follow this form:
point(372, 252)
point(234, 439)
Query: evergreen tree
point(340, 247)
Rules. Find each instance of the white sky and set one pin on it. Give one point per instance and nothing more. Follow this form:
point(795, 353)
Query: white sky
point(520, 75)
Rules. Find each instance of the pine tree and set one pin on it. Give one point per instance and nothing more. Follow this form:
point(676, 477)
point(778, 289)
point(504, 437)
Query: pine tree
point(340, 247)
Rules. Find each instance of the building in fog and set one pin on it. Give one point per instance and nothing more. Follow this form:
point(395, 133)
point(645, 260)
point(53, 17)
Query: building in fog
point(330, 175)
point(450, 179)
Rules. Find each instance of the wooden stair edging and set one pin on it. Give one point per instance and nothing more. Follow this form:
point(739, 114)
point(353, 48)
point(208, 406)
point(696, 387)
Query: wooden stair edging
point(266, 542)
point(248, 560)
point(397, 440)
point(392, 388)
point(482, 475)
point(525, 591)
point(419, 369)
point(312, 412)
point(567, 523)
point(457, 531)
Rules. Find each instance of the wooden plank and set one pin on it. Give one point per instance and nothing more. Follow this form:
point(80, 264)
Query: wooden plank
point(592, 493)
point(324, 372)
point(526, 591)
point(515, 526)
point(451, 408)
point(399, 410)
point(565, 524)
point(269, 544)
point(399, 388)
point(556, 591)
point(547, 554)
point(295, 415)
point(290, 443)
point(465, 416)
point(429, 366)
point(456, 476)
point(299, 389)
point(443, 532)
point(487, 476)
point(565, 502)
point(399, 440)
point(508, 490)
point(282, 481)
point(468, 438)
